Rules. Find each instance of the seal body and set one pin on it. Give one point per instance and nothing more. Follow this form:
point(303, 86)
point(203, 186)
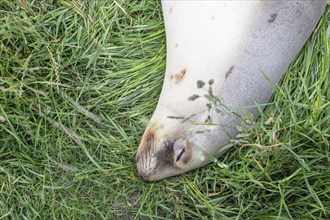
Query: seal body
point(240, 48)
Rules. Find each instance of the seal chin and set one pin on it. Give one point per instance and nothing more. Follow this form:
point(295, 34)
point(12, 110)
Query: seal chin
point(158, 158)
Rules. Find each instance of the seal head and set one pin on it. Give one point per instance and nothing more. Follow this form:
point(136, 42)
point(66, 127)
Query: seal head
point(158, 158)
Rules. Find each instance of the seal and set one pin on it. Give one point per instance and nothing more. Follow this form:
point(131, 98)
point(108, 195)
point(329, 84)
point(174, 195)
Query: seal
point(238, 48)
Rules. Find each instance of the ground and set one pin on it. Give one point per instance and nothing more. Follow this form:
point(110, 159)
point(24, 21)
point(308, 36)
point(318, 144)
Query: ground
point(79, 81)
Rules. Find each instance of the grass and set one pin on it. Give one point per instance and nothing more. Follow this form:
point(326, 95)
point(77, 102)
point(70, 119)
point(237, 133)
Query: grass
point(78, 82)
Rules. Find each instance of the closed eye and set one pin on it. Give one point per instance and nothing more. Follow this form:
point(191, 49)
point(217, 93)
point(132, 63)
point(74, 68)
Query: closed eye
point(180, 154)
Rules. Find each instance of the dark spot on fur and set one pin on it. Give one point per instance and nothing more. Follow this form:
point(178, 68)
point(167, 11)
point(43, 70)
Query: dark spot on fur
point(229, 71)
point(200, 84)
point(170, 11)
point(171, 77)
point(272, 18)
point(208, 120)
point(193, 97)
point(179, 76)
point(212, 18)
point(165, 156)
point(176, 45)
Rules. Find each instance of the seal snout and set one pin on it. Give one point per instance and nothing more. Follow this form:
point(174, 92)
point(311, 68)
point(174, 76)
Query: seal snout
point(159, 158)
point(145, 157)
